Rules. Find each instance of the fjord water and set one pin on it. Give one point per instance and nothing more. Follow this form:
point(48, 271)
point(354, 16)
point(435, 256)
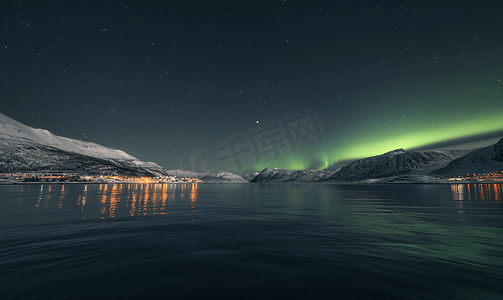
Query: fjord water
point(251, 241)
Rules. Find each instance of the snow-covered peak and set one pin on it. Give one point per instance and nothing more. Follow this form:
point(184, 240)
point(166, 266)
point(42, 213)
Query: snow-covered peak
point(397, 162)
point(394, 152)
point(184, 173)
point(214, 177)
point(284, 175)
point(13, 130)
point(10, 128)
point(223, 177)
point(250, 176)
point(484, 160)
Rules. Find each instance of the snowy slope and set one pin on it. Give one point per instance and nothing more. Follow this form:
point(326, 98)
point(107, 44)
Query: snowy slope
point(250, 176)
point(485, 160)
point(223, 177)
point(283, 175)
point(397, 162)
point(15, 131)
point(29, 157)
point(184, 173)
point(23, 148)
point(403, 179)
point(212, 177)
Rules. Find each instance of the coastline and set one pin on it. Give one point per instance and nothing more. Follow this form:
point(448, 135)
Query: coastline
point(79, 182)
point(324, 183)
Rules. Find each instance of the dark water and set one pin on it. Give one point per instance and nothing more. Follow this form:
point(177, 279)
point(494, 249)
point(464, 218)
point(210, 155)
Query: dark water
point(251, 241)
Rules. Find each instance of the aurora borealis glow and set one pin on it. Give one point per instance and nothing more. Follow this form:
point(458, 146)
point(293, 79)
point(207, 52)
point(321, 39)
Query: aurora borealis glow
point(168, 81)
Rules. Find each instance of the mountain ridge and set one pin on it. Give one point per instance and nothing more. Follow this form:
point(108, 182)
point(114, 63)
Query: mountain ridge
point(284, 175)
point(484, 160)
point(396, 162)
point(212, 177)
point(27, 149)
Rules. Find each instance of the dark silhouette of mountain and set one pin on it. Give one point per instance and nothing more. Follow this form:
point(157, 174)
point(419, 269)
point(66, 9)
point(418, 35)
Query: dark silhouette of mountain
point(397, 162)
point(283, 175)
point(479, 161)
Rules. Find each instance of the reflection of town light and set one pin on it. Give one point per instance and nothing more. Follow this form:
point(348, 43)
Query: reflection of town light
point(61, 198)
point(139, 199)
point(484, 192)
point(457, 192)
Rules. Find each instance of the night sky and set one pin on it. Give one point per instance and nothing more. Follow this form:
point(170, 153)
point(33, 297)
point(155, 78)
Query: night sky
point(244, 85)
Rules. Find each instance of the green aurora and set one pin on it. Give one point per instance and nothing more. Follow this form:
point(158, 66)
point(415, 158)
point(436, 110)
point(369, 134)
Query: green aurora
point(469, 107)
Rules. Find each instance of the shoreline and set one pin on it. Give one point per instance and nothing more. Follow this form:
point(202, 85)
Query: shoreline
point(202, 182)
point(61, 182)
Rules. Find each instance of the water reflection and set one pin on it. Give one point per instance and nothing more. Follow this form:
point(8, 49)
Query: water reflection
point(193, 201)
point(111, 200)
point(458, 195)
point(477, 192)
point(82, 199)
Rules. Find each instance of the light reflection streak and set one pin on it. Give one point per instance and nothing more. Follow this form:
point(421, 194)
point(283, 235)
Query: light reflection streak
point(146, 195)
point(193, 201)
point(112, 200)
point(62, 196)
point(82, 198)
point(457, 191)
point(133, 201)
point(477, 192)
point(48, 197)
point(458, 195)
point(115, 198)
point(147, 199)
point(164, 196)
point(40, 196)
point(182, 192)
point(103, 188)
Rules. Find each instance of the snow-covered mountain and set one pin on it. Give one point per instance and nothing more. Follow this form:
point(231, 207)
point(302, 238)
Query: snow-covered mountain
point(283, 175)
point(394, 163)
point(12, 130)
point(223, 177)
point(25, 149)
point(250, 176)
point(397, 162)
point(211, 177)
point(404, 179)
point(397, 166)
point(184, 173)
point(484, 160)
